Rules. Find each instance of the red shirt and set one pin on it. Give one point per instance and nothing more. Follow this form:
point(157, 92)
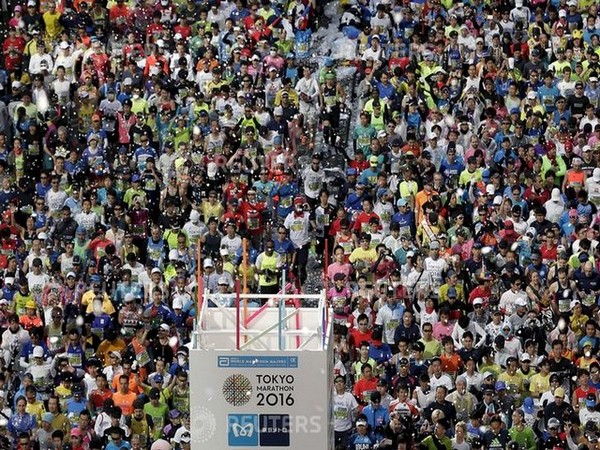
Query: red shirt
point(252, 214)
point(549, 253)
point(364, 387)
point(356, 337)
point(120, 15)
point(363, 218)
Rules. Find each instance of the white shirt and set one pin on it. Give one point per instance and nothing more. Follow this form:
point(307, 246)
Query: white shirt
point(390, 319)
point(443, 380)
point(344, 406)
point(435, 267)
point(507, 301)
point(298, 228)
point(313, 182)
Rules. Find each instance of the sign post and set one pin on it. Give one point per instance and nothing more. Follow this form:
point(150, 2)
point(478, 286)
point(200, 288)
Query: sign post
point(261, 397)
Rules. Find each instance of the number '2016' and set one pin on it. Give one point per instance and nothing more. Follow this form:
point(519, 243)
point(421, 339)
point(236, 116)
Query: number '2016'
point(275, 399)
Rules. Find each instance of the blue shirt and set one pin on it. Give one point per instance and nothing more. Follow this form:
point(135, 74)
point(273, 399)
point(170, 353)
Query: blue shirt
point(377, 416)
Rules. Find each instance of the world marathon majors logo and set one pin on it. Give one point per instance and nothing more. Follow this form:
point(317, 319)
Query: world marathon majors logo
point(253, 430)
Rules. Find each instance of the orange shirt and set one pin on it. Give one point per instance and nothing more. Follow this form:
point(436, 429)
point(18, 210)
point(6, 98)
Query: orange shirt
point(125, 401)
point(133, 386)
point(450, 364)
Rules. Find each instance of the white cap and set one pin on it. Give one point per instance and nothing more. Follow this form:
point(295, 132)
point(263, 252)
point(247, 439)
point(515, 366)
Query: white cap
point(177, 302)
point(182, 435)
point(164, 326)
point(177, 36)
point(63, 45)
point(478, 301)
point(562, 13)
point(596, 174)
point(71, 275)
point(129, 297)
point(490, 189)
point(194, 216)
point(211, 169)
point(127, 81)
point(555, 196)
point(224, 252)
point(173, 255)
point(497, 200)
point(531, 231)
point(278, 111)
point(222, 280)
point(574, 303)
point(16, 84)
point(525, 357)
point(42, 236)
point(520, 302)
point(9, 280)
point(38, 352)
point(208, 263)
point(155, 270)
point(160, 43)
point(280, 159)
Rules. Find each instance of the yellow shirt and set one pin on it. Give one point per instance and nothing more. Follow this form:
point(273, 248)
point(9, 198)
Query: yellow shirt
point(514, 383)
point(209, 210)
point(578, 324)
point(368, 256)
point(443, 292)
point(466, 176)
point(36, 409)
point(538, 384)
point(53, 27)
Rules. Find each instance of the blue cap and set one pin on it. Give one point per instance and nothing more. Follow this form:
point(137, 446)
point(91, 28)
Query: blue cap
point(351, 171)
point(277, 140)
point(328, 62)
point(528, 405)
point(401, 202)
point(500, 386)
point(290, 55)
point(451, 292)
point(515, 111)
point(80, 230)
point(135, 178)
point(158, 379)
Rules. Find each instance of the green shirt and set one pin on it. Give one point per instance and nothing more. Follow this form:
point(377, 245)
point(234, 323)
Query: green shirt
point(525, 438)
point(432, 348)
point(431, 444)
point(159, 417)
